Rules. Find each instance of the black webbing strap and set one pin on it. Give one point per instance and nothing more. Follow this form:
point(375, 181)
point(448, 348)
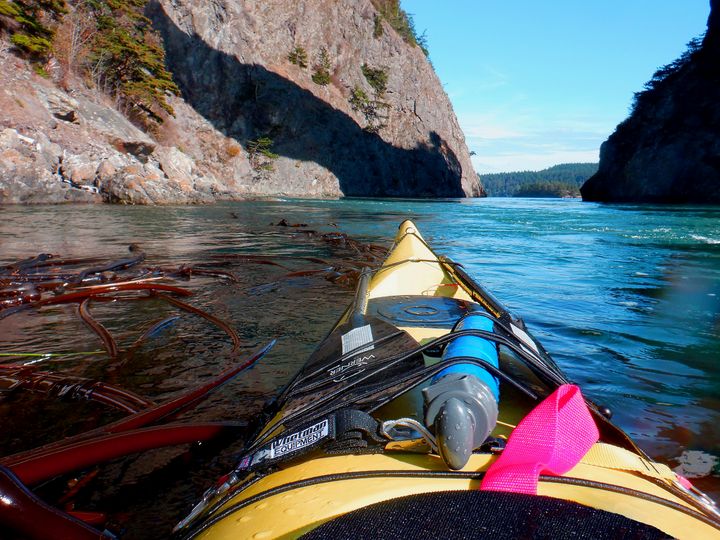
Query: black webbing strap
point(346, 431)
point(355, 432)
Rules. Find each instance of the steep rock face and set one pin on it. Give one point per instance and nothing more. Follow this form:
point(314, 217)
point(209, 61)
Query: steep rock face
point(230, 59)
point(668, 150)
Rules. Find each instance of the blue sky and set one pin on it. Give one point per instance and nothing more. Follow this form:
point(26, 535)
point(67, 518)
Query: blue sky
point(536, 83)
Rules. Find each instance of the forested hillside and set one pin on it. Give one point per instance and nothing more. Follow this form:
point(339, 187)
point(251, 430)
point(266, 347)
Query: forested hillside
point(558, 181)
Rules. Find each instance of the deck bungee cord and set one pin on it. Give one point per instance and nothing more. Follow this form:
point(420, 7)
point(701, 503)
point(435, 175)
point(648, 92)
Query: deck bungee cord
point(516, 347)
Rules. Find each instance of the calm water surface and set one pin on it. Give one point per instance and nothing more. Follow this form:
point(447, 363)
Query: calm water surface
point(626, 298)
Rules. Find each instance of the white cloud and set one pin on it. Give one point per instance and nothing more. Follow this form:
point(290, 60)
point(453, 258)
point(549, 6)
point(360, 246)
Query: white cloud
point(492, 126)
point(519, 140)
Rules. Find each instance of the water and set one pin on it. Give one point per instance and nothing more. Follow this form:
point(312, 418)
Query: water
point(625, 297)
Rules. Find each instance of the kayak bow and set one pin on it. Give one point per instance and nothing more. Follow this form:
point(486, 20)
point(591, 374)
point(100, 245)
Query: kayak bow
point(430, 411)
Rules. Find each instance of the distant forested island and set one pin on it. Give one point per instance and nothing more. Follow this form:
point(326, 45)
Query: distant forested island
point(558, 181)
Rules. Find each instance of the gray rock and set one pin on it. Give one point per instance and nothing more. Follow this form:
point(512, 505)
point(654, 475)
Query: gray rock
point(59, 104)
point(9, 139)
point(176, 165)
point(107, 121)
point(79, 169)
point(147, 184)
point(125, 188)
point(48, 151)
point(105, 171)
point(24, 180)
point(140, 149)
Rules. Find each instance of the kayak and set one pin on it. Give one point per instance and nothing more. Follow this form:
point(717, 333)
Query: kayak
point(428, 411)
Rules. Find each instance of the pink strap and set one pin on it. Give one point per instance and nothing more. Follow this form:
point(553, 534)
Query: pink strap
point(684, 482)
point(553, 438)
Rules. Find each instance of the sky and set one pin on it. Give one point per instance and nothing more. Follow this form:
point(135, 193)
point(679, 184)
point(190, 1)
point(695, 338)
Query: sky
point(535, 84)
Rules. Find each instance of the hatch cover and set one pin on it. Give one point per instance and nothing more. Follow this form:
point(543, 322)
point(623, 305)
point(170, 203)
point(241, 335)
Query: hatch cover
point(435, 311)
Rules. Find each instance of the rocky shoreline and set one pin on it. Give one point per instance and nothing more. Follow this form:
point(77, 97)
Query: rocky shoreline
point(38, 171)
point(60, 148)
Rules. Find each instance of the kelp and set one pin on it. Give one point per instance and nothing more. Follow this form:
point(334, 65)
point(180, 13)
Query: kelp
point(152, 331)
point(30, 464)
point(15, 377)
point(252, 259)
point(33, 284)
point(225, 327)
point(113, 265)
point(107, 339)
point(82, 295)
point(188, 271)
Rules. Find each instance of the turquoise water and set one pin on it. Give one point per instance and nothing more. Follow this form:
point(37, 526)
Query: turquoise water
point(625, 297)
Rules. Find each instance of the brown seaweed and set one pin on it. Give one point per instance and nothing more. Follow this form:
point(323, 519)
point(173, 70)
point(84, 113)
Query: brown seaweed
point(285, 223)
point(43, 455)
point(107, 339)
point(81, 295)
point(153, 329)
point(14, 377)
point(112, 266)
point(25, 264)
point(225, 327)
point(187, 271)
point(252, 259)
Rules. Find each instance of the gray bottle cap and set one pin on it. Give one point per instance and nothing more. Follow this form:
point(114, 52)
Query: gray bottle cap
point(462, 411)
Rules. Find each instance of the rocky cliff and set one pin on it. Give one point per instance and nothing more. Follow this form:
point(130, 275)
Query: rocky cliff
point(318, 98)
point(668, 150)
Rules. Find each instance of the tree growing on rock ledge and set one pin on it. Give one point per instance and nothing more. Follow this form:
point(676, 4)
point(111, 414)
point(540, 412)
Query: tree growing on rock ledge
point(31, 24)
point(321, 75)
point(401, 21)
point(261, 155)
point(128, 61)
point(298, 56)
point(108, 42)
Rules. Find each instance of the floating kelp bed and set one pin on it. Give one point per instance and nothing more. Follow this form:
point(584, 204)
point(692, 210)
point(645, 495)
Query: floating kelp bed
point(67, 413)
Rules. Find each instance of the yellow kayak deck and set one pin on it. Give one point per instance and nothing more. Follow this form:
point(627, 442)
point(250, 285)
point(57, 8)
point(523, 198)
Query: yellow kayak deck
point(297, 496)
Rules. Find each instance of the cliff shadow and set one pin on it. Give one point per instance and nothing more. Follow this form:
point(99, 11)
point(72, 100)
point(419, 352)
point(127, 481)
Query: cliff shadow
point(247, 101)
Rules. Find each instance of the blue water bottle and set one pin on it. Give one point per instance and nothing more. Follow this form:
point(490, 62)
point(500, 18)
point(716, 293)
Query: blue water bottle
point(461, 403)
